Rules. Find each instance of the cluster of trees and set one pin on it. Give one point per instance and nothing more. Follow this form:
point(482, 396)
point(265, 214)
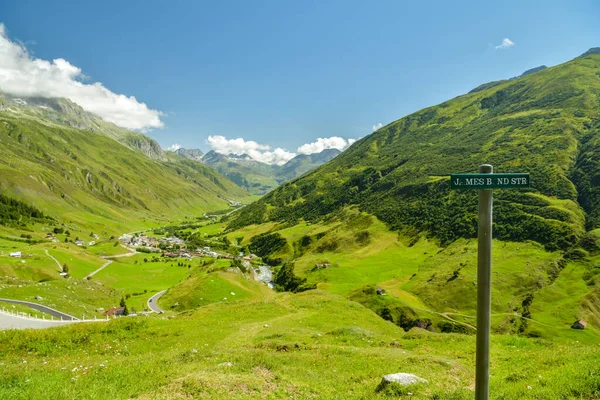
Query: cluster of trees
point(287, 281)
point(267, 244)
point(17, 213)
point(124, 305)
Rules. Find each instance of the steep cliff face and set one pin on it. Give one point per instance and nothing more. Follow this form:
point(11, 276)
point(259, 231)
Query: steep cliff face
point(192, 154)
point(143, 144)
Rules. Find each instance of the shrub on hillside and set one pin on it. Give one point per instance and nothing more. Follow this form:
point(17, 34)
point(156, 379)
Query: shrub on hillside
point(266, 244)
point(286, 281)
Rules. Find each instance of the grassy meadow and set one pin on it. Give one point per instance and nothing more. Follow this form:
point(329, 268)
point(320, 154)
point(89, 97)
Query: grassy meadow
point(140, 279)
point(309, 345)
point(204, 288)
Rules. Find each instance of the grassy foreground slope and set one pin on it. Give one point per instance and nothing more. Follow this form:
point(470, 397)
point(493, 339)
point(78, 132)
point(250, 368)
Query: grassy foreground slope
point(310, 345)
point(546, 123)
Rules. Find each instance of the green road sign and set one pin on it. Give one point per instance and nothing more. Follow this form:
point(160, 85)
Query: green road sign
point(488, 181)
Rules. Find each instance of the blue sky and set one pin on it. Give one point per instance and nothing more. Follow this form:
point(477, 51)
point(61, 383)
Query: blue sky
point(284, 73)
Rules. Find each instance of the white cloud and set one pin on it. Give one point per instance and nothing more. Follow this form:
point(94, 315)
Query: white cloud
point(278, 156)
point(174, 147)
point(23, 75)
point(258, 152)
point(377, 126)
point(334, 142)
point(506, 43)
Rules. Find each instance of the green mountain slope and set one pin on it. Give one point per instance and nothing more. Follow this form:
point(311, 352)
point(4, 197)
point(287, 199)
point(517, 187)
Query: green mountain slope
point(382, 213)
point(545, 123)
point(81, 176)
point(64, 111)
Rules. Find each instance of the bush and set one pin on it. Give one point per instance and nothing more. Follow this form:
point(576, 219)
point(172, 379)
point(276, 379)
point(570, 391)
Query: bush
point(266, 244)
point(453, 327)
point(286, 281)
point(576, 254)
point(404, 317)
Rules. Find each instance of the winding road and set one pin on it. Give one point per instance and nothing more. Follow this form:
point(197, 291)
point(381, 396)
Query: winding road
point(44, 309)
point(152, 302)
point(9, 321)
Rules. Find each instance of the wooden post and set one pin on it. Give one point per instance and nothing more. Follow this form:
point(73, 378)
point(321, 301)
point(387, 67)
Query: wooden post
point(484, 289)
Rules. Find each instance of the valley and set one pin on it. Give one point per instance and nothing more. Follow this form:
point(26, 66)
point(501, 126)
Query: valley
point(257, 177)
point(352, 265)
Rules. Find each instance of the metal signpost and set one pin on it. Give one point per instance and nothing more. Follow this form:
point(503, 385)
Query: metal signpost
point(485, 181)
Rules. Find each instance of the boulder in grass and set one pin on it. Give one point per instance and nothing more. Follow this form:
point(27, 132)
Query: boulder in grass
point(401, 379)
point(580, 324)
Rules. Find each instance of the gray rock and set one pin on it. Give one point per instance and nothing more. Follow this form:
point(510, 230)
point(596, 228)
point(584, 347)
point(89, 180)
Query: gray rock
point(401, 379)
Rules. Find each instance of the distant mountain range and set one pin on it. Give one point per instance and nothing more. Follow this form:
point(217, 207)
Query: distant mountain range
point(257, 177)
point(195, 155)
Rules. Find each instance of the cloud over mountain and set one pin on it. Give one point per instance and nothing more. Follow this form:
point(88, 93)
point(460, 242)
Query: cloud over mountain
point(264, 153)
point(21, 74)
point(174, 147)
point(334, 142)
point(377, 126)
point(258, 152)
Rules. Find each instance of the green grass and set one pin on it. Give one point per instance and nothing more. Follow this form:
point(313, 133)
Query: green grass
point(79, 261)
point(386, 259)
point(439, 283)
point(248, 232)
point(302, 346)
point(132, 275)
point(34, 265)
point(108, 248)
point(207, 288)
point(211, 229)
point(559, 305)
